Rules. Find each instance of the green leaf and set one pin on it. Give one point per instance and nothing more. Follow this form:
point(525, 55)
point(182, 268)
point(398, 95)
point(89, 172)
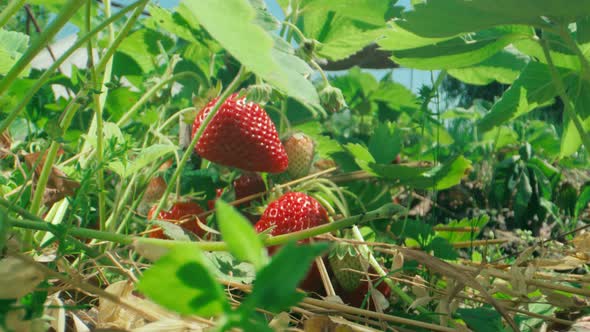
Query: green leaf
point(534, 50)
point(229, 268)
point(385, 145)
point(372, 12)
point(483, 319)
point(522, 198)
point(275, 285)
point(503, 67)
point(12, 45)
point(182, 281)
point(417, 230)
point(534, 87)
point(454, 237)
point(444, 18)
point(441, 248)
point(583, 200)
point(161, 18)
point(324, 145)
point(142, 47)
point(529, 323)
point(395, 38)
point(460, 52)
point(440, 177)
point(173, 231)
point(232, 24)
point(578, 90)
point(144, 158)
point(396, 96)
point(361, 155)
point(500, 136)
point(238, 233)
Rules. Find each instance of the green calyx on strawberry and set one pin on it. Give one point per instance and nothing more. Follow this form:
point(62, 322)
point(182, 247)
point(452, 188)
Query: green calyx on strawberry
point(181, 212)
point(332, 98)
point(347, 266)
point(300, 150)
point(241, 135)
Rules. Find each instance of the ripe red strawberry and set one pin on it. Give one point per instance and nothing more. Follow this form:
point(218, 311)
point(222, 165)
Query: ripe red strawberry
point(241, 135)
point(300, 150)
point(211, 202)
point(249, 184)
point(180, 211)
point(357, 296)
point(292, 212)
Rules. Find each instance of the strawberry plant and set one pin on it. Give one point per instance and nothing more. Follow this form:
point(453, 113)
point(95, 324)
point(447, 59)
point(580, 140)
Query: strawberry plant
point(294, 165)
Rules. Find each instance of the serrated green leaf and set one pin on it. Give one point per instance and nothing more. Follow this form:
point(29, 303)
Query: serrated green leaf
point(484, 319)
point(503, 67)
point(500, 136)
point(439, 177)
point(238, 233)
point(443, 18)
point(143, 158)
point(161, 18)
point(460, 52)
point(534, 50)
point(578, 91)
point(229, 268)
point(361, 155)
point(473, 223)
point(232, 24)
point(12, 45)
point(275, 285)
point(396, 38)
point(171, 230)
point(142, 47)
point(182, 281)
point(441, 248)
point(536, 82)
point(384, 144)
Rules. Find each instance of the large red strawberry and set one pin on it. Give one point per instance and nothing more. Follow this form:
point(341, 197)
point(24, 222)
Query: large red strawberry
point(294, 212)
point(241, 135)
point(181, 211)
point(300, 150)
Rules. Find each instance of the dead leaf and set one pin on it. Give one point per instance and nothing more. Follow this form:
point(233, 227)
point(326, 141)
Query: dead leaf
point(55, 310)
point(149, 250)
point(5, 143)
point(581, 325)
point(59, 185)
point(582, 242)
point(331, 324)
point(22, 277)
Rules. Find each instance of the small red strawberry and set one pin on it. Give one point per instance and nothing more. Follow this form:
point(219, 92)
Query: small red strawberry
point(357, 296)
point(211, 202)
point(300, 150)
point(249, 184)
point(241, 135)
point(180, 211)
point(292, 212)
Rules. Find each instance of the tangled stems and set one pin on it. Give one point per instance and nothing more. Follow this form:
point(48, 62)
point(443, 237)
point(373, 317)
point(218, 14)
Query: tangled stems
point(35, 223)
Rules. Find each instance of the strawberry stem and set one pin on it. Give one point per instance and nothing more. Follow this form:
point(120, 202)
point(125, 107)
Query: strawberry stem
point(31, 221)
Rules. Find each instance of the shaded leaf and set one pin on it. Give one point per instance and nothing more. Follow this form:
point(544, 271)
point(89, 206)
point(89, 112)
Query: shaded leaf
point(181, 281)
point(238, 233)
